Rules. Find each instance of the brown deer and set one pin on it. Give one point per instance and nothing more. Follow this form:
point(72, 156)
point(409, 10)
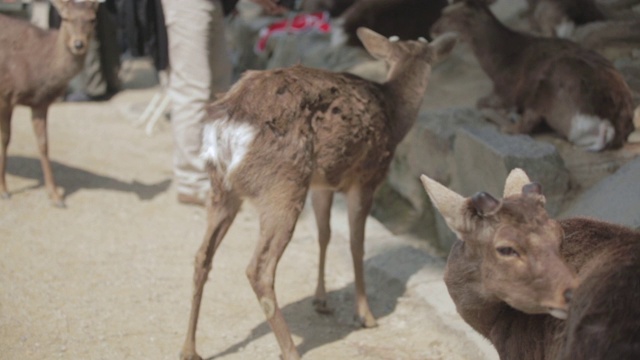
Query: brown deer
point(35, 68)
point(512, 264)
point(278, 133)
point(575, 91)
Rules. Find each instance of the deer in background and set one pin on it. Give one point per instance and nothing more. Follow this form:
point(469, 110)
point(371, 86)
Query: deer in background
point(575, 91)
point(512, 264)
point(278, 133)
point(35, 68)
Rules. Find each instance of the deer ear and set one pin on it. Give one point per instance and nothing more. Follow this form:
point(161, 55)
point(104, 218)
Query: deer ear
point(450, 204)
point(444, 44)
point(377, 45)
point(485, 204)
point(61, 6)
point(516, 180)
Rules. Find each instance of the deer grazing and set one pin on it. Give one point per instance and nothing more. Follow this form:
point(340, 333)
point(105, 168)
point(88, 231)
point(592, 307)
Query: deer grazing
point(278, 133)
point(575, 91)
point(512, 264)
point(35, 68)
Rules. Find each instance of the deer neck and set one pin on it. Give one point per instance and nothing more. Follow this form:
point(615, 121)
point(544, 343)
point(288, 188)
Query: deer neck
point(496, 46)
point(404, 91)
point(464, 283)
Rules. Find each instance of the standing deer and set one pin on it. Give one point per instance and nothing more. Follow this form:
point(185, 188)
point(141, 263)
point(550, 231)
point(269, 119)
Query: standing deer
point(512, 264)
point(278, 133)
point(35, 68)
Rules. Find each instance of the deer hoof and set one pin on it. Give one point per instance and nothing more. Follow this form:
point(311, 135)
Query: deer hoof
point(59, 204)
point(321, 307)
point(366, 321)
point(190, 357)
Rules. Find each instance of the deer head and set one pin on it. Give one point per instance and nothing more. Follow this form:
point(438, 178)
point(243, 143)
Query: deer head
point(460, 16)
point(512, 243)
point(78, 23)
point(395, 52)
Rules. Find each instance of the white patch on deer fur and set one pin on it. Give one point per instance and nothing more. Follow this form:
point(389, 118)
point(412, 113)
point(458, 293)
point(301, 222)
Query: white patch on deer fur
point(225, 144)
point(394, 38)
point(590, 132)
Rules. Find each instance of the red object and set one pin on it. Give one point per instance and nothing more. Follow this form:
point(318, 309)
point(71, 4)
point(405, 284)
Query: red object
point(300, 23)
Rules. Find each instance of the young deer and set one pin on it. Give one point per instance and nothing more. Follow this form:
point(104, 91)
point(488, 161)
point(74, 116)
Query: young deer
point(575, 91)
point(278, 133)
point(512, 263)
point(35, 68)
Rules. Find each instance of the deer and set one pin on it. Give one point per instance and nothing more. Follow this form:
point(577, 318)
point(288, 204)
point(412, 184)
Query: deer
point(512, 266)
point(36, 66)
point(544, 81)
point(276, 134)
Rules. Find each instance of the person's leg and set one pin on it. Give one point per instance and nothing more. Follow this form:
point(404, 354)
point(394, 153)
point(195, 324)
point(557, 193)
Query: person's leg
point(199, 67)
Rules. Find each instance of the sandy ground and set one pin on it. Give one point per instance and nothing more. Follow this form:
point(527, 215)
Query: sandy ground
point(109, 277)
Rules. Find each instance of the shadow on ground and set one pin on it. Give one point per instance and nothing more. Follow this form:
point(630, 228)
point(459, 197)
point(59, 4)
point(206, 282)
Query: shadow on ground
point(72, 179)
point(317, 330)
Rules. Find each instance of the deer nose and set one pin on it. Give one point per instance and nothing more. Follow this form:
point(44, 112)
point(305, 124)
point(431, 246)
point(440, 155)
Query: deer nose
point(568, 294)
point(78, 44)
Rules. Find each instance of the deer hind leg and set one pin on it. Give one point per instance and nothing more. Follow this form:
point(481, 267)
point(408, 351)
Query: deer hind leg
point(276, 228)
point(359, 202)
point(221, 213)
point(39, 119)
point(322, 201)
point(5, 137)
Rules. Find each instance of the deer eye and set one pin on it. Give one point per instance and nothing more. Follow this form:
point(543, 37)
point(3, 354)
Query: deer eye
point(507, 251)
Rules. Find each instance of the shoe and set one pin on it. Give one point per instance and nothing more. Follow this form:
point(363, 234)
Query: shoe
point(191, 200)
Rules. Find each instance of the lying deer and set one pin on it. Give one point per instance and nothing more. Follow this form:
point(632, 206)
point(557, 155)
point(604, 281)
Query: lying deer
point(35, 68)
point(512, 264)
point(575, 91)
point(278, 133)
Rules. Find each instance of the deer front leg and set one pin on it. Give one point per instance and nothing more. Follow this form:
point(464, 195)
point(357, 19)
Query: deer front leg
point(221, 213)
point(5, 137)
point(359, 201)
point(321, 201)
point(276, 229)
point(39, 119)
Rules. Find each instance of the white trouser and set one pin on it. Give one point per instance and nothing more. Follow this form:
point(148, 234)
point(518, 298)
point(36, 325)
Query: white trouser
point(200, 68)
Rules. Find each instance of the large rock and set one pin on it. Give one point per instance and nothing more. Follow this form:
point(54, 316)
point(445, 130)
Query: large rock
point(615, 199)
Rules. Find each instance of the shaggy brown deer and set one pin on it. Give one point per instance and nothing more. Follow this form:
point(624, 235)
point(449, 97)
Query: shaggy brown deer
point(512, 265)
point(575, 91)
point(35, 68)
point(278, 133)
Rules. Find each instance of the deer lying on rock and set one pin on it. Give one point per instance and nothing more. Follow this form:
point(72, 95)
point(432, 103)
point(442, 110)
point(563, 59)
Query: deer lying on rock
point(575, 91)
point(278, 133)
point(35, 68)
point(512, 264)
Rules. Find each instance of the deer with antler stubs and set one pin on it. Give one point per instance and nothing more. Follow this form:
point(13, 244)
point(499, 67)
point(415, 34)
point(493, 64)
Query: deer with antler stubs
point(278, 133)
point(512, 264)
point(35, 69)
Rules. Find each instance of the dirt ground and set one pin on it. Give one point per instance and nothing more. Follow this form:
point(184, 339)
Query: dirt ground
point(109, 277)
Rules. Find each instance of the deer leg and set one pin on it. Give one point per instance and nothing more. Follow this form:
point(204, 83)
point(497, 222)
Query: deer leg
point(359, 202)
point(221, 213)
point(321, 201)
point(5, 136)
point(276, 229)
point(39, 119)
